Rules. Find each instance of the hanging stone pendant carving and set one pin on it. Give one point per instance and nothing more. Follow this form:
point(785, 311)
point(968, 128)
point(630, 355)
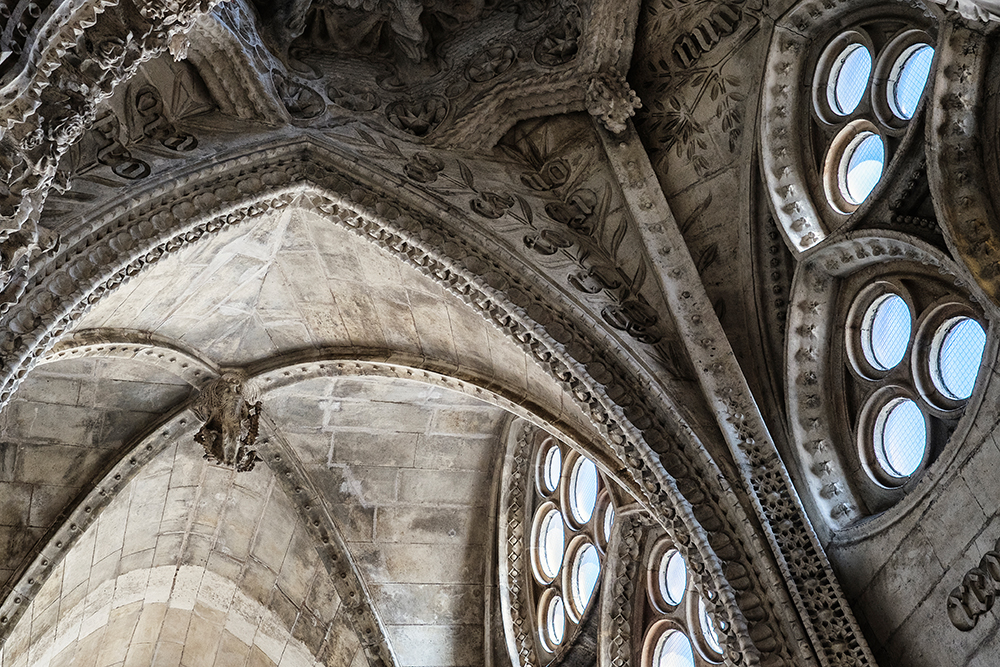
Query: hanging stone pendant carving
point(230, 407)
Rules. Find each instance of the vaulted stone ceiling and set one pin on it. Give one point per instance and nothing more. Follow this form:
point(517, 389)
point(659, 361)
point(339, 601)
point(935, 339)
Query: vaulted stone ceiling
point(189, 563)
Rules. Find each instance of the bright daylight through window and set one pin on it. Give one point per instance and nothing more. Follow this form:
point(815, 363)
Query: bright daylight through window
point(865, 96)
point(571, 526)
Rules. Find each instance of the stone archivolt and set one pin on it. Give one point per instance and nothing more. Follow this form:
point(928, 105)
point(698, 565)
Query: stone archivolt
point(378, 110)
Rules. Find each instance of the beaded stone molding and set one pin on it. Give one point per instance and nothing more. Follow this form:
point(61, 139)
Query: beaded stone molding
point(810, 323)
point(956, 173)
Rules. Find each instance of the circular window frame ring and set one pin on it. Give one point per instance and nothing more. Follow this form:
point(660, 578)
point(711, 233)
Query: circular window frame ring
point(534, 546)
point(655, 633)
point(570, 463)
point(694, 605)
point(829, 64)
point(604, 505)
point(927, 345)
point(541, 458)
point(871, 414)
point(576, 545)
point(542, 621)
point(835, 169)
point(855, 327)
point(657, 554)
point(886, 71)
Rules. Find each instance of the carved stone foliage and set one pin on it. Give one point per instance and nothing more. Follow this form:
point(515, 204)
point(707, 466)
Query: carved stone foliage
point(230, 409)
point(976, 594)
point(142, 130)
point(570, 222)
point(694, 84)
point(87, 50)
point(694, 66)
point(420, 70)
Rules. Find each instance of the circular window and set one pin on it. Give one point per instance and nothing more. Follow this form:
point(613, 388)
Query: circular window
point(583, 490)
point(554, 625)
point(551, 469)
point(909, 78)
point(861, 167)
point(586, 571)
point(885, 331)
point(672, 577)
point(550, 540)
point(849, 78)
point(672, 650)
point(956, 355)
point(708, 630)
point(900, 438)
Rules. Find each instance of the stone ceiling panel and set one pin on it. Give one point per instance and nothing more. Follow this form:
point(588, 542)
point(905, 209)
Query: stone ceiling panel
point(67, 421)
point(189, 565)
point(408, 471)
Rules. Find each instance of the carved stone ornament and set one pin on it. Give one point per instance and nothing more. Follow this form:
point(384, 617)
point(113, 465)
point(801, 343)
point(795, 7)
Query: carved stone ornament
point(977, 592)
point(49, 97)
point(977, 10)
point(610, 99)
point(230, 407)
point(965, 197)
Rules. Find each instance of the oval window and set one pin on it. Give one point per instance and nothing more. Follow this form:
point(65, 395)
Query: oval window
point(586, 571)
point(708, 630)
point(673, 577)
point(673, 650)
point(583, 490)
point(551, 469)
point(849, 79)
point(885, 331)
point(861, 167)
point(900, 437)
point(909, 78)
point(956, 356)
point(551, 538)
point(555, 621)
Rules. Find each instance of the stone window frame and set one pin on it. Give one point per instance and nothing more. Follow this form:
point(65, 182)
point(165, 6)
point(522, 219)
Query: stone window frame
point(931, 303)
point(802, 140)
point(538, 502)
point(656, 616)
point(828, 392)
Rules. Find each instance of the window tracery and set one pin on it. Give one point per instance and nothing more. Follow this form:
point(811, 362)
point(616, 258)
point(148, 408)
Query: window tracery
point(867, 86)
point(678, 629)
point(843, 95)
point(904, 332)
point(571, 517)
